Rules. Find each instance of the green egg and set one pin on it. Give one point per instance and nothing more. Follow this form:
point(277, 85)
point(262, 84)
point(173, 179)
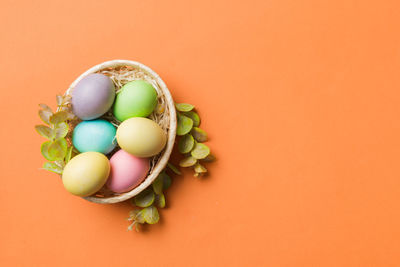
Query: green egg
point(136, 99)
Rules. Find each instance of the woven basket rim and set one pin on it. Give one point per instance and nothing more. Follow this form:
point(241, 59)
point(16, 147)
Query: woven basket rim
point(163, 160)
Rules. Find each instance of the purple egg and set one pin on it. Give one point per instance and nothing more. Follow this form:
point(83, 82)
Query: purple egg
point(92, 96)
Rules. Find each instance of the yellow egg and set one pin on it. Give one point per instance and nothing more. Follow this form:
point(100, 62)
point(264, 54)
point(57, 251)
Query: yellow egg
point(86, 173)
point(141, 137)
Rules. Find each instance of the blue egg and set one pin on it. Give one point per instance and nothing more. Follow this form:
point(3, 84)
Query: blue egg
point(95, 135)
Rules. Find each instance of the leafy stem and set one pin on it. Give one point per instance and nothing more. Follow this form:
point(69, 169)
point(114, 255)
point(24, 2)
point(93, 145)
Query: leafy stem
point(56, 149)
point(147, 202)
point(191, 140)
point(195, 152)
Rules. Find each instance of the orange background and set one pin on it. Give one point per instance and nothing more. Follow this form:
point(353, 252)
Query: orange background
point(301, 102)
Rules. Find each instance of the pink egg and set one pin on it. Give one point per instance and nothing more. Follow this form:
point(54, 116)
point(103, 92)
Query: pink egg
point(127, 171)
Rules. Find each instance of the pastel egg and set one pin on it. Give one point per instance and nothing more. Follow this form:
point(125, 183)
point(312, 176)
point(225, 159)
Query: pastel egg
point(141, 137)
point(136, 99)
point(92, 96)
point(96, 135)
point(86, 173)
point(127, 171)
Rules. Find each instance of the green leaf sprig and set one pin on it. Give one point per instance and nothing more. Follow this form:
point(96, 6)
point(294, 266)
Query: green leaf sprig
point(191, 140)
point(191, 145)
point(56, 149)
point(148, 201)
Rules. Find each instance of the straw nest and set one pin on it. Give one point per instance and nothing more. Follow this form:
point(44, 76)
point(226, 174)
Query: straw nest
point(121, 72)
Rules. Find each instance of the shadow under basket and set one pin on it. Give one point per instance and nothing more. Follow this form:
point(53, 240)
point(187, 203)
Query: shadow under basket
point(121, 72)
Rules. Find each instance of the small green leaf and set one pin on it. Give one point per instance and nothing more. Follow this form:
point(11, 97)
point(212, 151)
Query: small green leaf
point(187, 162)
point(51, 166)
point(174, 169)
point(45, 131)
point(136, 215)
point(200, 151)
point(151, 215)
point(68, 155)
point(160, 200)
point(58, 117)
point(194, 116)
point(144, 199)
point(166, 181)
point(59, 100)
point(45, 115)
point(158, 184)
point(139, 216)
point(45, 107)
point(184, 107)
point(186, 143)
point(45, 150)
point(199, 134)
point(198, 168)
point(58, 149)
point(184, 125)
point(132, 214)
point(209, 158)
point(61, 130)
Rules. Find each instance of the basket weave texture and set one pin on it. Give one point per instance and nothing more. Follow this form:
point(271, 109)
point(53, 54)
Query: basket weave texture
point(121, 72)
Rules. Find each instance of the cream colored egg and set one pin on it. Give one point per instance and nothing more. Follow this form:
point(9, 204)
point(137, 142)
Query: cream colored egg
point(86, 173)
point(141, 137)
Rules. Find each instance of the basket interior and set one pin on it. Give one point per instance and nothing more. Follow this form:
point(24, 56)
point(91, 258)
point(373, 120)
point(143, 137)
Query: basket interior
point(121, 74)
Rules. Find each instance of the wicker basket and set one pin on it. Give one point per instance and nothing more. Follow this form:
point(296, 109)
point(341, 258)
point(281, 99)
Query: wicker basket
point(114, 68)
